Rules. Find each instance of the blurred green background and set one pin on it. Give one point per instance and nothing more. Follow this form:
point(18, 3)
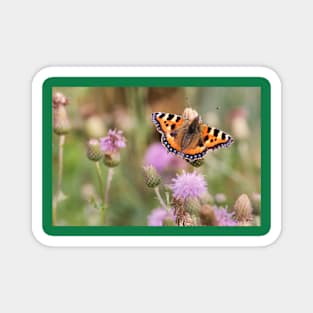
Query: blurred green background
point(92, 111)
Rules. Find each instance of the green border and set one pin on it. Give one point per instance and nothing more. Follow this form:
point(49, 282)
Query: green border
point(160, 82)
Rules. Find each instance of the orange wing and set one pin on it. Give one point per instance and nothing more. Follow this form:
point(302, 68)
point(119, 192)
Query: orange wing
point(171, 128)
point(213, 138)
point(198, 152)
point(167, 122)
point(210, 138)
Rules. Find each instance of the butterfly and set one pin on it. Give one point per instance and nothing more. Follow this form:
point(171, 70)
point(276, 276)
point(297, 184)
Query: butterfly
point(189, 138)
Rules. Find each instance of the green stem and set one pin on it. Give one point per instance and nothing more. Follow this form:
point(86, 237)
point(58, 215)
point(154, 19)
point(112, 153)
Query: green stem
point(108, 185)
point(59, 184)
point(106, 196)
point(103, 214)
point(157, 192)
point(100, 179)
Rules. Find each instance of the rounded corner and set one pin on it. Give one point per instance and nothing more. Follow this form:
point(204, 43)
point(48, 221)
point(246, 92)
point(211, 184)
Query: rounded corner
point(42, 77)
point(41, 236)
point(270, 75)
point(42, 72)
point(272, 236)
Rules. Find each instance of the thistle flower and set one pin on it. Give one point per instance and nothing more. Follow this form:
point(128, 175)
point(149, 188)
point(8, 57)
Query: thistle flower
point(188, 185)
point(161, 160)
point(243, 209)
point(151, 176)
point(223, 217)
point(111, 145)
point(158, 216)
point(214, 216)
point(113, 142)
point(94, 152)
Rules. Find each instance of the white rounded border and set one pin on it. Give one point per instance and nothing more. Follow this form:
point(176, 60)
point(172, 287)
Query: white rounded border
point(156, 241)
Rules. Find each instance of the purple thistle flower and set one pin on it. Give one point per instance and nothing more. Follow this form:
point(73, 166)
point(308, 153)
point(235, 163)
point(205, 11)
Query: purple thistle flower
point(223, 217)
point(160, 159)
point(158, 215)
point(113, 142)
point(188, 185)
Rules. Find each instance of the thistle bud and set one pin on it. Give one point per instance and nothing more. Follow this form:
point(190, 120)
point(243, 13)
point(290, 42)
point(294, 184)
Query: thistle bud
point(112, 159)
point(207, 216)
point(243, 209)
point(61, 123)
point(94, 152)
point(59, 99)
point(192, 206)
point(151, 176)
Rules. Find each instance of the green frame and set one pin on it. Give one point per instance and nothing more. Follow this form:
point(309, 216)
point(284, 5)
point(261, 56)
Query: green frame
point(159, 82)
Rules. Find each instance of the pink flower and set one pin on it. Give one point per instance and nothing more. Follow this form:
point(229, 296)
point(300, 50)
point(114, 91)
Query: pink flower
point(223, 217)
point(188, 185)
point(158, 215)
point(113, 142)
point(161, 160)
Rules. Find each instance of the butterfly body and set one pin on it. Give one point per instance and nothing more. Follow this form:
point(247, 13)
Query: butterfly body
point(188, 138)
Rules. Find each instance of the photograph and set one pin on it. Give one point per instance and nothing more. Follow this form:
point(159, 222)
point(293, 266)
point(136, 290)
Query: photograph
point(156, 156)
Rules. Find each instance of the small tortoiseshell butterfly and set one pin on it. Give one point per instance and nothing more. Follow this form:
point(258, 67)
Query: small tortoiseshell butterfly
point(188, 138)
